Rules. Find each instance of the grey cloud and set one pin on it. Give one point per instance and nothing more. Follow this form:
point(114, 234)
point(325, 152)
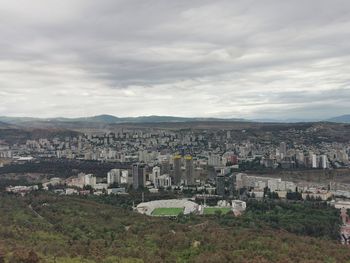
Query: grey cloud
point(204, 58)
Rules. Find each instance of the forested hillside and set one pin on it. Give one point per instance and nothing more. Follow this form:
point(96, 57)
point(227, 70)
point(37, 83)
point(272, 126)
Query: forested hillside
point(49, 228)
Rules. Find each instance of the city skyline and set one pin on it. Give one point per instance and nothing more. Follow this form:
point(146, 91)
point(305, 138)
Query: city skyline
point(228, 59)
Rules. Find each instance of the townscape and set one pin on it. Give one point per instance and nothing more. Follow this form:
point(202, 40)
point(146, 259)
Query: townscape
point(207, 171)
point(174, 131)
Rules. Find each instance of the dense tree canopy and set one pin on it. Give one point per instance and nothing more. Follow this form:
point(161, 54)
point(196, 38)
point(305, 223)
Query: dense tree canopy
point(51, 228)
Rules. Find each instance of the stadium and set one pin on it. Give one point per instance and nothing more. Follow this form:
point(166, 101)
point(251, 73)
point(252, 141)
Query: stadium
point(171, 207)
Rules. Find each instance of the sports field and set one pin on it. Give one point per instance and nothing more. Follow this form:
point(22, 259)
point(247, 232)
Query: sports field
point(165, 211)
point(211, 210)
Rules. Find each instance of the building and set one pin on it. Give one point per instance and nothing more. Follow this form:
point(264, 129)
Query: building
point(273, 183)
point(186, 206)
point(81, 180)
point(319, 194)
point(155, 174)
point(214, 159)
point(89, 179)
point(323, 161)
point(124, 177)
point(162, 181)
point(118, 190)
point(53, 181)
point(138, 176)
point(314, 161)
point(283, 150)
point(100, 186)
point(165, 166)
point(220, 185)
point(113, 176)
point(239, 205)
point(189, 170)
point(232, 183)
point(177, 169)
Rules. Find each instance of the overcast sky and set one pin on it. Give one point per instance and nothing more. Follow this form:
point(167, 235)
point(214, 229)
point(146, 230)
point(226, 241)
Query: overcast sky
point(243, 59)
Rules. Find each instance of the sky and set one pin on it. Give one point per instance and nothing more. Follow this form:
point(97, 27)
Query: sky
point(229, 59)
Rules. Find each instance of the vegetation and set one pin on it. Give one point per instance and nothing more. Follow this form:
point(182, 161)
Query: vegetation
point(215, 210)
point(62, 168)
point(43, 227)
point(304, 218)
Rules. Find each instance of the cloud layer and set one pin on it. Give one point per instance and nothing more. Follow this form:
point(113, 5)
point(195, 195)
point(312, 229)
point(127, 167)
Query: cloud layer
point(250, 59)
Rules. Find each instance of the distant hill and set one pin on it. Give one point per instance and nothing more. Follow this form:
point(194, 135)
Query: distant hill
point(342, 119)
point(99, 118)
point(110, 119)
point(4, 125)
point(14, 120)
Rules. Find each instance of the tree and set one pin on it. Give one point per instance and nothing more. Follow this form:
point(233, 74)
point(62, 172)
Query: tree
point(20, 256)
point(274, 195)
point(218, 213)
point(32, 257)
point(348, 212)
point(294, 196)
point(2, 257)
point(40, 186)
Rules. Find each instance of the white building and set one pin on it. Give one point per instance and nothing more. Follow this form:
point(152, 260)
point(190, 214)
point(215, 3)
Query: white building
point(100, 186)
point(155, 174)
point(314, 161)
point(89, 179)
point(323, 161)
point(124, 177)
point(214, 160)
point(239, 205)
point(53, 181)
point(113, 176)
point(163, 181)
point(273, 184)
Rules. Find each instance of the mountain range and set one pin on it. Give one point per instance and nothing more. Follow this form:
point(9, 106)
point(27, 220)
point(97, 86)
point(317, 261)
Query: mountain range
point(342, 119)
point(110, 119)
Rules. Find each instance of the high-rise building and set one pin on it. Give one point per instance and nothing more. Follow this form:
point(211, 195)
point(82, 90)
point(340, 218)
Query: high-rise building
point(138, 176)
point(232, 184)
point(314, 161)
point(299, 156)
point(124, 177)
point(323, 161)
point(165, 166)
point(189, 178)
point(113, 176)
point(155, 174)
point(214, 159)
point(89, 179)
point(220, 185)
point(283, 150)
point(233, 159)
point(177, 169)
point(342, 156)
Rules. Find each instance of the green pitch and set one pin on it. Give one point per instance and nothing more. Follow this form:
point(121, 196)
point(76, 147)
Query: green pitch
point(165, 211)
point(211, 210)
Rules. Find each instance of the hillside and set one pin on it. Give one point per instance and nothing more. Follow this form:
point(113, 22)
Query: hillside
point(20, 135)
point(342, 118)
point(4, 125)
point(47, 228)
point(110, 119)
